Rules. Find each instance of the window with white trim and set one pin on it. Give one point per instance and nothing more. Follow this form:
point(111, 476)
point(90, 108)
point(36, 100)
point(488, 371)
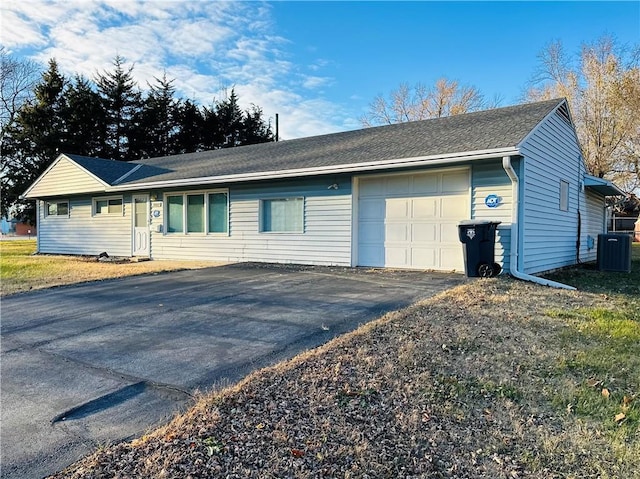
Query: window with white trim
point(108, 206)
point(197, 212)
point(282, 215)
point(564, 195)
point(56, 209)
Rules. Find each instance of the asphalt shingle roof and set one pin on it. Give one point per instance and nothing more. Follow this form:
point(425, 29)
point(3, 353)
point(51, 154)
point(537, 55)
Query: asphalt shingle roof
point(107, 170)
point(485, 130)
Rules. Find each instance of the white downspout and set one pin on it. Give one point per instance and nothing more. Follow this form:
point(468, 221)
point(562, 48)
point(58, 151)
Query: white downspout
point(513, 258)
point(38, 223)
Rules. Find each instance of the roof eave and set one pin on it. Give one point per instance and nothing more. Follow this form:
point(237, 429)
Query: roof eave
point(602, 186)
point(433, 160)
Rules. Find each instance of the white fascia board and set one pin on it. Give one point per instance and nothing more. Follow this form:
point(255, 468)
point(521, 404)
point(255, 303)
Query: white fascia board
point(25, 195)
point(434, 160)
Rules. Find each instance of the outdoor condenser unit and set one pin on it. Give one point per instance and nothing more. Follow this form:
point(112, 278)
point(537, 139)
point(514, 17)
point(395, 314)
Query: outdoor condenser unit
point(614, 252)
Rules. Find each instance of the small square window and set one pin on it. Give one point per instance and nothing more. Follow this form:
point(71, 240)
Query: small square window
point(107, 206)
point(564, 195)
point(282, 215)
point(58, 208)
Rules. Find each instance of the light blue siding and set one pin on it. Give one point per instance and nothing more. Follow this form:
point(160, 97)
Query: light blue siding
point(593, 221)
point(548, 234)
point(489, 178)
point(84, 234)
point(325, 240)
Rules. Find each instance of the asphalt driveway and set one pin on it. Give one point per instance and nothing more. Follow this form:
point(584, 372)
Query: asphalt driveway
point(102, 362)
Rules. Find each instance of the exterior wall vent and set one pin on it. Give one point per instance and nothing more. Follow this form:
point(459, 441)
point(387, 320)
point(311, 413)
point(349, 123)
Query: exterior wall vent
point(563, 113)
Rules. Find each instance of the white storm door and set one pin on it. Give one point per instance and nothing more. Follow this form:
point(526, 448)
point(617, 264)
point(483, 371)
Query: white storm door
point(141, 225)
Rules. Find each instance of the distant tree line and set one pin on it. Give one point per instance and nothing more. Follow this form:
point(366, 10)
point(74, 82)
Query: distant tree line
point(601, 83)
point(107, 117)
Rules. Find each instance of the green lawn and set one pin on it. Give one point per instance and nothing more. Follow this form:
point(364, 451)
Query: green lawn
point(21, 270)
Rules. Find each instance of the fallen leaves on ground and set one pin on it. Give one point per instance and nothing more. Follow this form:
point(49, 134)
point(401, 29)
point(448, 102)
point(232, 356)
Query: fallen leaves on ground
point(455, 387)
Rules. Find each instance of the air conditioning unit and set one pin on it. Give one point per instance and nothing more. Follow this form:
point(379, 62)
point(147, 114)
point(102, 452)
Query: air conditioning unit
point(614, 252)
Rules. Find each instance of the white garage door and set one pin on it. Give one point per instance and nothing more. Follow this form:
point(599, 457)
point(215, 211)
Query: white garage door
point(411, 221)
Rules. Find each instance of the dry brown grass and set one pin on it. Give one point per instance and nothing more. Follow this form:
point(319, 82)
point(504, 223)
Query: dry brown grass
point(23, 271)
point(461, 386)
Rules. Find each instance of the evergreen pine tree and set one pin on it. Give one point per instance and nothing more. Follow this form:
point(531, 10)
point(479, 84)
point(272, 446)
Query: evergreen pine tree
point(85, 119)
point(158, 120)
point(32, 142)
point(189, 121)
point(121, 102)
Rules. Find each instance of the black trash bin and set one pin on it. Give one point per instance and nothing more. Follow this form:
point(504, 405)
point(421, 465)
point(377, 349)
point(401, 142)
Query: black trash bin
point(479, 238)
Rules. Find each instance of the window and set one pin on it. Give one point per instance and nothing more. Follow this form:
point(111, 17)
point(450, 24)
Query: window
point(174, 214)
point(58, 208)
point(195, 213)
point(218, 213)
point(107, 206)
point(206, 212)
point(564, 195)
point(282, 215)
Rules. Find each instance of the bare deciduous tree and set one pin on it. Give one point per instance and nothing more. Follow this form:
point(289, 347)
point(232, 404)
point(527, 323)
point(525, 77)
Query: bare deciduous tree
point(17, 80)
point(602, 86)
point(444, 98)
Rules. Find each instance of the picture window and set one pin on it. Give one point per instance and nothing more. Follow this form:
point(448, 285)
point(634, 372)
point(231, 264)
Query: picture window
point(282, 215)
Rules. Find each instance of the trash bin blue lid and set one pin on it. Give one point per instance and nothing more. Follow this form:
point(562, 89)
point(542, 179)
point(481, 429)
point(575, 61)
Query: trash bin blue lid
point(478, 222)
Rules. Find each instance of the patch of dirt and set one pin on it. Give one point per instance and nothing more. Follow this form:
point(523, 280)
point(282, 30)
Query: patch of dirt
point(454, 387)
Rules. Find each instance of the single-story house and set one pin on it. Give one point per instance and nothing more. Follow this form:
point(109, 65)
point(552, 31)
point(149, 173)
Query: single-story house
point(389, 196)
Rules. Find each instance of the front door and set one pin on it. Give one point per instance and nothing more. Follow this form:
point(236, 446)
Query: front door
point(141, 225)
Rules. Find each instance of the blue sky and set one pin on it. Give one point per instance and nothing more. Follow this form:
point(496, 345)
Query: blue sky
point(318, 64)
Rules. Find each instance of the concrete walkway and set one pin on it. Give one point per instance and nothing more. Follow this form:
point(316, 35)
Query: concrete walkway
point(86, 365)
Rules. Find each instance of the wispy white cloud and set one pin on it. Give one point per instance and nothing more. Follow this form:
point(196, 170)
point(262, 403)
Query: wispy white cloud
point(314, 82)
point(204, 45)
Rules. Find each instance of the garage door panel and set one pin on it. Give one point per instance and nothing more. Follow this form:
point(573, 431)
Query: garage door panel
point(397, 232)
point(449, 233)
point(454, 207)
point(423, 257)
point(397, 257)
point(422, 208)
point(371, 209)
point(397, 209)
point(425, 184)
point(455, 182)
point(424, 232)
point(371, 187)
point(371, 232)
point(397, 185)
point(451, 258)
point(371, 255)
